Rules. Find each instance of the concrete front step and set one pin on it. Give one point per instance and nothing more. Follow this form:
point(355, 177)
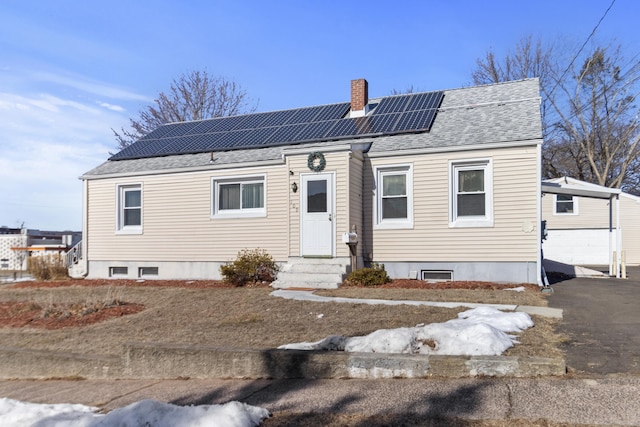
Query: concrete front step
point(319, 273)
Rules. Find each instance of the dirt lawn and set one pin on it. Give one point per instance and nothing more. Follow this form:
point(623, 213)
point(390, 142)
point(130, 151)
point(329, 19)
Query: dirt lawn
point(97, 316)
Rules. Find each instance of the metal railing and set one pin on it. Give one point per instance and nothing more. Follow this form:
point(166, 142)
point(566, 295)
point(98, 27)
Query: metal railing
point(74, 255)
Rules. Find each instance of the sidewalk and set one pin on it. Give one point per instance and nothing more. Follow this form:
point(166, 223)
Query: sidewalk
point(606, 401)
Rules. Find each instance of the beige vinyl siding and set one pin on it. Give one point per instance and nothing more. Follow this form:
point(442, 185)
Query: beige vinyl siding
point(337, 163)
point(356, 164)
point(177, 223)
point(515, 204)
point(630, 222)
point(592, 213)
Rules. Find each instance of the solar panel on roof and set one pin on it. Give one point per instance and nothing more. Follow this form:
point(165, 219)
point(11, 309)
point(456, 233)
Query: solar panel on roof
point(424, 101)
point(303, 115)
point(394, 104)
point(202, 143)
point(232, 139)
point(416, 120)
point(278, 118)
point(332, 112)
point(384, 123)
point(228, 123)
point(157, 133)
point(251, 121)
point(316, 130)
point(343, 128)
point(205, 126)
point(180, 129)
point(396, 114)
point(285, 133)
point(259, 136)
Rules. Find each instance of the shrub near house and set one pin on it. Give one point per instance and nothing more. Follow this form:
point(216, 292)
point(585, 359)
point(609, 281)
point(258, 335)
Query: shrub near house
point(252, 266)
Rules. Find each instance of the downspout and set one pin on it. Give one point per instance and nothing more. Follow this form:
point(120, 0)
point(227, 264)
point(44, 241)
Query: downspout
point(85, 228)
point(618, 239)
point(610, 235)
point(539, 216)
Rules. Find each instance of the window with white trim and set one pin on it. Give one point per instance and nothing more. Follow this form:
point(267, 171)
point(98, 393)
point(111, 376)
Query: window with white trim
point(394, 196)
point(239, 196)
point(565, 204)
point(471, 193)
point(129, 209)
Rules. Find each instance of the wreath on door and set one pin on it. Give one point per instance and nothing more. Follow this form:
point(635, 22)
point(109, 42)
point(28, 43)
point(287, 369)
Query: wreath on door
point(316, 161)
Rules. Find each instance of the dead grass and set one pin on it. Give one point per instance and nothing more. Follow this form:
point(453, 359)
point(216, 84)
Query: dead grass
point(206, 313)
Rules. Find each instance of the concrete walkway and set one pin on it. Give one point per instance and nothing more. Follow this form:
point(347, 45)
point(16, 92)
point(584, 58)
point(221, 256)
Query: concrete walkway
point(585, 402)
point(309, 295)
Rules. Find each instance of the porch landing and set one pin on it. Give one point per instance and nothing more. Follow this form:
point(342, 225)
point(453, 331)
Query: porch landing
point(314, 273)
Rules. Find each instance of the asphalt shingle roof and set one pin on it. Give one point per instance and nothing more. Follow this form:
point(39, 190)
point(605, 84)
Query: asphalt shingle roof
point(503, 113)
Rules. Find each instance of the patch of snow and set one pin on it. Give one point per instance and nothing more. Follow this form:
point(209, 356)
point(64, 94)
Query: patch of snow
point(518, 289)
point(146, 412)
point(330, 343)
point(482, 331)
point(401, 340)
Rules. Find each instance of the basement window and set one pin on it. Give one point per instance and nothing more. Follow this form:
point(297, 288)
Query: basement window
point(437, 275)
point(118, 271)
point(147, 271)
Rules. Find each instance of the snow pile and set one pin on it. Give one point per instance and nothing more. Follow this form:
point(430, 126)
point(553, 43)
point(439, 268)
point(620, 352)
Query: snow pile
point(144, 413)
point(482, 331)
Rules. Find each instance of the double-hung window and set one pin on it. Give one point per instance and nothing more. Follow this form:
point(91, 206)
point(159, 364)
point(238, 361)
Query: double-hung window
point(129, 202)
point(565, 204)
point(471, 194)
point(394, 197)
point(239, 196)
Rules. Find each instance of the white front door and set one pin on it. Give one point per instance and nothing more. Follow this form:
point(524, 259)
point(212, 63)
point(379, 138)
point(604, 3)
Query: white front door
point(316, 222)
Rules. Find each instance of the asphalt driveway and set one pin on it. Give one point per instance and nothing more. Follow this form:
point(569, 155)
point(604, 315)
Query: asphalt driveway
point(602, 322)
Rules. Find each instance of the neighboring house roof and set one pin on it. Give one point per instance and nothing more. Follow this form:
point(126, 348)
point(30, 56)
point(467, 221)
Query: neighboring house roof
point(575, 187)
point(488, 116)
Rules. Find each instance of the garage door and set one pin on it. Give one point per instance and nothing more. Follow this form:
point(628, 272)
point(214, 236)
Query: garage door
point(578, 247)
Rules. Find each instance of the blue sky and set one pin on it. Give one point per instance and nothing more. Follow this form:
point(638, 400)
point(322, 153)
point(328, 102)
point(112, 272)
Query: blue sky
point(71, 70)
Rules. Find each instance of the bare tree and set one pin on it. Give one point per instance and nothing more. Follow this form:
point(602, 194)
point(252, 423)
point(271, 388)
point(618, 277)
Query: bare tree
point(591, 124)
point(530, 59)
point(195, 95)
point(599, 117)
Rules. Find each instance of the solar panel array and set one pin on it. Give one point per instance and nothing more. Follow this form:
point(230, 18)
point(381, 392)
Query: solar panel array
point(392, 115)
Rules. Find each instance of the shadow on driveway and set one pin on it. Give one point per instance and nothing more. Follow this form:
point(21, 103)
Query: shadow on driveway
point(602, 323)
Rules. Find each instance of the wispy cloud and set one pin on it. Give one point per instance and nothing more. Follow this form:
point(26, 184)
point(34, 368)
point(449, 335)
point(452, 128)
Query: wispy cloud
point(47, 142)
point(87, 85)
point(112, 107)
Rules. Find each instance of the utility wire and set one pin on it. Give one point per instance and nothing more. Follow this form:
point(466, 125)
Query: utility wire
point(582, 47)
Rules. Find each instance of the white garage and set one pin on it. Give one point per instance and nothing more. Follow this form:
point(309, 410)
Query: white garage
point(583, 224)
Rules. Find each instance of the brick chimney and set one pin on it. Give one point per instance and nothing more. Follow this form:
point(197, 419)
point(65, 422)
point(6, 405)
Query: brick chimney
point(359, 96)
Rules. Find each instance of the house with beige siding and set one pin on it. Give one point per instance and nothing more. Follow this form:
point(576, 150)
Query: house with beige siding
point(588, 224)
point(441, 185)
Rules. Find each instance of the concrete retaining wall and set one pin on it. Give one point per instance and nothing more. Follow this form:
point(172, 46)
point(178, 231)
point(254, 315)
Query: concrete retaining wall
point(162, 361)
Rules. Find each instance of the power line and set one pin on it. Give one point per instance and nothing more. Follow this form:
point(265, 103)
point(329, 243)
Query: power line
point(582, 47)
